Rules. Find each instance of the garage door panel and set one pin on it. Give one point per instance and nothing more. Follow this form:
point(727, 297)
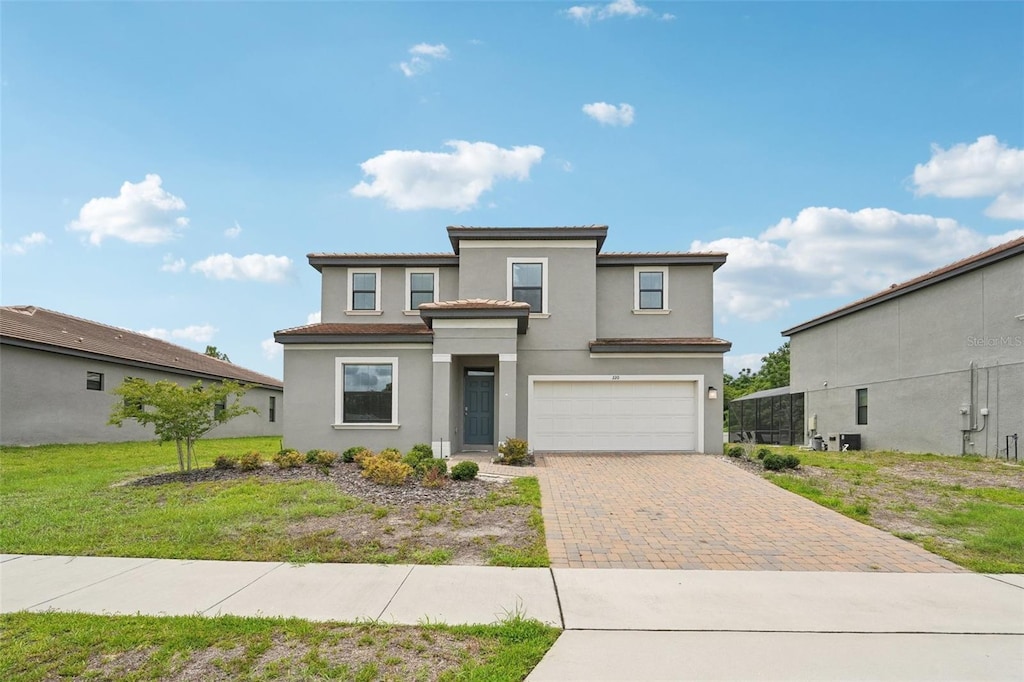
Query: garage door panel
point(614, 416)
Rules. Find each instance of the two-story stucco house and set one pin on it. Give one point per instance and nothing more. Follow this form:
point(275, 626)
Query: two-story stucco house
point(532, 333)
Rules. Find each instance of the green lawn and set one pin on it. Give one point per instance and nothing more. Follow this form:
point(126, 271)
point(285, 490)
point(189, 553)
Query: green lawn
point(46, 646)
point(68, 499)
point(967, 509)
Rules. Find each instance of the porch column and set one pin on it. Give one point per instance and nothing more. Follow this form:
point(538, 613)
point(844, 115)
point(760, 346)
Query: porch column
point(441, 440)
point(506, 396)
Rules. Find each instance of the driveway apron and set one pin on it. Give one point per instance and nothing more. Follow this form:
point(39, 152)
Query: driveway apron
point(700, 512)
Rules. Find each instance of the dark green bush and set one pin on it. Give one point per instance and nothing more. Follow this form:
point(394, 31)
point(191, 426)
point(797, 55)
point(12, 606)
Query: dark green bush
point(762, 453)
point(416, 457)
point(777, 462)
point(465, 471)
point(349, 455)
point(312, 454)
point(432, 464)
point(225, 462)
point(734, 451)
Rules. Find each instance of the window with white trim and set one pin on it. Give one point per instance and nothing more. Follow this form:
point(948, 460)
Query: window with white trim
point(367, 392)
point(421, 286)
point(364, 290)
point(650, 289)
point(528, 283)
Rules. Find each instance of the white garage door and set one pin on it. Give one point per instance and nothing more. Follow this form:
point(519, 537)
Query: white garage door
point(609, 416)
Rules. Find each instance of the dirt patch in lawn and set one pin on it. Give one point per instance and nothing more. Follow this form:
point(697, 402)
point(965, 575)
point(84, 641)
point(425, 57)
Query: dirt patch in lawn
point(461, 522)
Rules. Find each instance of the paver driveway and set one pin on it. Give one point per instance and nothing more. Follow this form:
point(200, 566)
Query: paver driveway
point(700, 512)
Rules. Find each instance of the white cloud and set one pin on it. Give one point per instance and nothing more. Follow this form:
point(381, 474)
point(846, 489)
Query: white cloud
point(313, 318)
point(423, 57)
point(257, 267)
point(233, 232)
point(271, 349)
point(411, 180)
point(733, 363)
point(832, 252)
point(172, 265)
point(142, 213)
point(196, 333)
point(984, 168)
point(22, 246)
point(630, 9)
point(609, 114)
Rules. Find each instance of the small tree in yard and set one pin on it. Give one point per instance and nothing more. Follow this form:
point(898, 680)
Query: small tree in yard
point(183, 414)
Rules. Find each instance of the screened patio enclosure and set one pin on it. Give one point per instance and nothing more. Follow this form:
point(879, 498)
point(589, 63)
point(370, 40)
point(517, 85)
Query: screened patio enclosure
point(772, 417)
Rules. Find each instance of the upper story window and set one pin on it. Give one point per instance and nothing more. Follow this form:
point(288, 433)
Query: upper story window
point(364, 290)
point(528, 282)
point(650, 289)
point(862, 406)
point(421, 286)
point(94, 381)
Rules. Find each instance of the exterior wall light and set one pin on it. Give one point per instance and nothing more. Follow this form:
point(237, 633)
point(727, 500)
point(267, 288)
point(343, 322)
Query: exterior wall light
point(712, 393)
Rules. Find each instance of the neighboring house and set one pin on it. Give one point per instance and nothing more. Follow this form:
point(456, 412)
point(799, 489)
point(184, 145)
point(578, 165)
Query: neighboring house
point(56, 373)
point(935, 364)
point(531, 333)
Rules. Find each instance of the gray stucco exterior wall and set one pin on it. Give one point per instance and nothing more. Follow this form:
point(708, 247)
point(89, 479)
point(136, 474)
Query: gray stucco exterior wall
point(44, 399)
point(689, 298)
point(334, 295)
point(931, 360)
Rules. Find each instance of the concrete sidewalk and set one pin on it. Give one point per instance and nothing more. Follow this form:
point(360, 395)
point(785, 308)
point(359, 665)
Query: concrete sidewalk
point(620, 624)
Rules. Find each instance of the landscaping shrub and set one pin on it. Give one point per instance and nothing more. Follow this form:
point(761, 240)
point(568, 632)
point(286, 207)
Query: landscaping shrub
point(418, 456)
point(434, 477)
point(225, 462)
point(762, 453)
point(465, 471)
point(289, 458)
point(515, 452)
point(362, 455)
point(250, 461)
point(391, 454)
point(311, 455)
point(349, 455)
point(325, 459)
point(428, 465)
point(385, 471)
point(777, 462)
point(735, 451)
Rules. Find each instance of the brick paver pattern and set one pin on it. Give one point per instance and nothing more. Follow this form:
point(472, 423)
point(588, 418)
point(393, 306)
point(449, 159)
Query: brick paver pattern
point(700, 512)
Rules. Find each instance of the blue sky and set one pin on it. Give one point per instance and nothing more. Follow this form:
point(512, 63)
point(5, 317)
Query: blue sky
point(167, 166)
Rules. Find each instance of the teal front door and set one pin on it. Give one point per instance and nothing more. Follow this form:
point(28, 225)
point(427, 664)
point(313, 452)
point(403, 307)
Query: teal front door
point(479, 407)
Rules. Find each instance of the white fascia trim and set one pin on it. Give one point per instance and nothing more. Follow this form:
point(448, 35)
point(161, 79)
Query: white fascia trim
point(291, 348)
point(376, 294)
point(682, 355)
point(441, 357)
point(664, 288)
point(476, 323)
point(436, 272)
point(700, 398)
point(528, 244)
point(545, 311)
point(339, 390)
point(506, 357)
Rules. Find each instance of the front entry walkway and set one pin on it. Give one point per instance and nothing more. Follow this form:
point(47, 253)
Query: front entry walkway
point(699, 512)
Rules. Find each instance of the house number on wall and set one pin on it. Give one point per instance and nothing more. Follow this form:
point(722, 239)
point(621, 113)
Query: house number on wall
point(615, 377)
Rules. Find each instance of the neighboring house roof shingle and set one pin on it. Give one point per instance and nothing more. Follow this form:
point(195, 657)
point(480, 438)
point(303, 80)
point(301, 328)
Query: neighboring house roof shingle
point(343, 332)
point(1011, 248)
point(34, 327)
point(708, 344)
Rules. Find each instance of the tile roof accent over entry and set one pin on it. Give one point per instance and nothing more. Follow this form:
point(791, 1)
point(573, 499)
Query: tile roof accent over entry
point(457, 233)
point(42, 329)
point(1011, 248)
point(477, 308)
point(707, 344)
point(342, 332)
